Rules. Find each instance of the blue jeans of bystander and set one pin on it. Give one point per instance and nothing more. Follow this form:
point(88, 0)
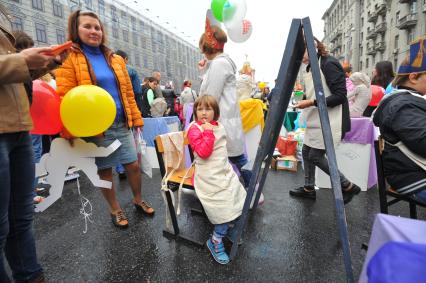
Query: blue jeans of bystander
point(240, 161)
point(16, 207)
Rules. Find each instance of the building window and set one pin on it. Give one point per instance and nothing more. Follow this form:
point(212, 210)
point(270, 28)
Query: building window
point(362, 22)
point(115, 30)
point(143, 42)
point(396, 41)
point(38, 4)
point(145, 62)
point(41, 34)
point(137, 60)
point(125, 35)
point(17, 24)
point(114, 14)
point(124, 18)
point(360, 65)
point(366, 62)
point(135, 39)
point(413, 7)
point(395, 61)
point(142, 26)
point(361, 36)
point(101, 5)
point(133, 21)
point(397, 17)
point(410, 36)
point(74, 5)
point(88, 4)
point(160, 48)
point(60, 36)
point(58, 9)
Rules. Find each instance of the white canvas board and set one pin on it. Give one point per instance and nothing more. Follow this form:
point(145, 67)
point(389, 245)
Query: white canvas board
point(353, 160)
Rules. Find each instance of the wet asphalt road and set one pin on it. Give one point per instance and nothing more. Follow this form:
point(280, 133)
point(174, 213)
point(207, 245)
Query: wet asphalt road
point(287, 240)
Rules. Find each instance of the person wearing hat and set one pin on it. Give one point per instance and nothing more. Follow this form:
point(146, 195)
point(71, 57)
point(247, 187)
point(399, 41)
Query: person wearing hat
point(219, 81)
point(401, 119)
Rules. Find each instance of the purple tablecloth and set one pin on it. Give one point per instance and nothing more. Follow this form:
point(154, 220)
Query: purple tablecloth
point(388, 228)
point(398, 262)
point(363, 131)
point(188, 114)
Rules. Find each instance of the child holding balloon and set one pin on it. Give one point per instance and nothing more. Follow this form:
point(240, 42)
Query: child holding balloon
point(92, 63)
point(216, 184)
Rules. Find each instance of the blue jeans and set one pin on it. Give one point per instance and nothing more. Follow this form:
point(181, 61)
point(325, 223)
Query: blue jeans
point(38, 151)
point(37, 147)
point(420, 196)
point(16, 207)
point(240, 161)
point(220, 230)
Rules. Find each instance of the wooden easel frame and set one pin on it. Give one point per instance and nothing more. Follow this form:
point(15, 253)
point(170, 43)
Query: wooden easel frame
point(300, 32)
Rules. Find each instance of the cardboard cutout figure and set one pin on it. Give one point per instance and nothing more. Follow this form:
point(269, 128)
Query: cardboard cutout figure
point(61, 156)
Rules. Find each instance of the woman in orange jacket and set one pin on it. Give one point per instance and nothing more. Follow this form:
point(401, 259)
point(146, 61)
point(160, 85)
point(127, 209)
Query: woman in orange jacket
point(92, 63)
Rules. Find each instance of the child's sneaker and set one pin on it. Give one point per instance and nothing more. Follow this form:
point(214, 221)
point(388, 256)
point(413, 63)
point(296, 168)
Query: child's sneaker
point(218, 251)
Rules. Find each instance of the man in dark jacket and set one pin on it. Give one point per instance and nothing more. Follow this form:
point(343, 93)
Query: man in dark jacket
point(401, 118)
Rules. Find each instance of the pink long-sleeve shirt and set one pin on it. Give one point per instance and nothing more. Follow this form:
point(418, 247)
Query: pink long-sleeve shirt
point(201, 142)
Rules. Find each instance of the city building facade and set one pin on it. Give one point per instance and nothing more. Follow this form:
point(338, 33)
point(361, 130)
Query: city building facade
point(150, 46)
point(364, 32)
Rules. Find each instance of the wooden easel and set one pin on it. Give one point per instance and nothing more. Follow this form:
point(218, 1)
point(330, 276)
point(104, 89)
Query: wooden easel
point(300, 32)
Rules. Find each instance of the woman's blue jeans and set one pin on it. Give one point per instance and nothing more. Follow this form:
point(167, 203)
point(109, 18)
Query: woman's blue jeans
point(16, 207)
point(240, 161)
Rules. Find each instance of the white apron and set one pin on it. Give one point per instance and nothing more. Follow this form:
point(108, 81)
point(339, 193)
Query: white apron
point(216, 184)
point(313, 134)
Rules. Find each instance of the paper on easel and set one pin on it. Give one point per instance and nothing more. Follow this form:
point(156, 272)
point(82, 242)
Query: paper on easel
point(61, 156)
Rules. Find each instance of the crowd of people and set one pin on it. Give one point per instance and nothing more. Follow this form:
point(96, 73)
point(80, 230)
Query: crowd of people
point(215, 134)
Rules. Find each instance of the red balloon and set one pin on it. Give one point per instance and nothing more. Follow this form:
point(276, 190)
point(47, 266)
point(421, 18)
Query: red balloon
point(377, 93)
point(45, 109)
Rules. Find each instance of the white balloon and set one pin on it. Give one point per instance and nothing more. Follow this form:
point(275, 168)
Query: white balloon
point(240, 31)
point(234, 11)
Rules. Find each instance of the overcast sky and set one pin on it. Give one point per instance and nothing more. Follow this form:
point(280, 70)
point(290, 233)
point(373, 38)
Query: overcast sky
point(270, 19)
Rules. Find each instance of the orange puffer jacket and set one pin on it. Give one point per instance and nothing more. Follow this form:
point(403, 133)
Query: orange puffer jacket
point(76, 70)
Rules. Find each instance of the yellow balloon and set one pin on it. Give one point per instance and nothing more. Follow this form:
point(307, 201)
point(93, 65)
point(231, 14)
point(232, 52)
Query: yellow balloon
point(87, 110)
point(261, 85)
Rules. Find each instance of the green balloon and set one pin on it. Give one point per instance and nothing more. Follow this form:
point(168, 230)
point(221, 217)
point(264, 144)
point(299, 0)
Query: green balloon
point(217, 9)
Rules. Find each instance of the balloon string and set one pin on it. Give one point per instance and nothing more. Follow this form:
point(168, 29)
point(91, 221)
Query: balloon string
point(85, 204)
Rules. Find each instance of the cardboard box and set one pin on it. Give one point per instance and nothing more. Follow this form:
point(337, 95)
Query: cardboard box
point(287, 163)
